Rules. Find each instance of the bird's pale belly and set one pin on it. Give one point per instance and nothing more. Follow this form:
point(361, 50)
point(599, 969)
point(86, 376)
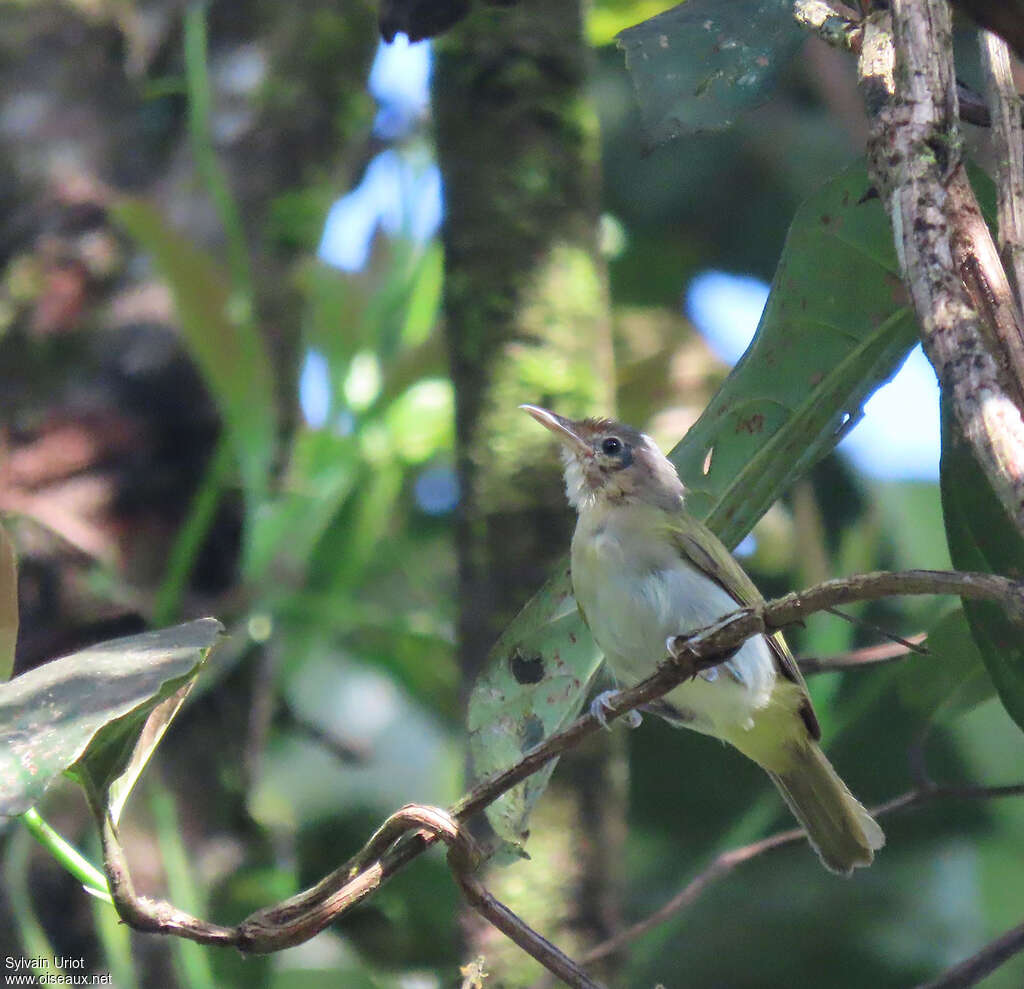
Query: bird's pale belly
point(631, 613)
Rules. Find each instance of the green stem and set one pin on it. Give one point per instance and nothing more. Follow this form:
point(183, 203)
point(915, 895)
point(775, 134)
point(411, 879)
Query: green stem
point(197, 84)
point(192, 960)
point(115, 938)
point(192, 533)
point(34, 941)
point(68, 856)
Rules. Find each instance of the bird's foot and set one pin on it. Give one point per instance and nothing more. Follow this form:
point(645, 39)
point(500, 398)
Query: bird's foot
point(601, 704)
point(681, 650)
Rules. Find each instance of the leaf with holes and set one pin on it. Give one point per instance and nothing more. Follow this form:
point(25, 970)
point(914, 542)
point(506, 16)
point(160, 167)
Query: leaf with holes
point(697, 66)
point(835, 327)
point(982, 537)
point(533, 684)
point(96, 714)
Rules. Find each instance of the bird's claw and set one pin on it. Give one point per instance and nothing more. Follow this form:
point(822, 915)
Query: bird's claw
point(681, 651)
point(601, 704)
point(680, 648)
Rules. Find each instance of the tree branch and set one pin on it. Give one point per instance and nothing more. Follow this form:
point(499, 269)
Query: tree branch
point(409, 832)
point(1008, 148)
point(839, 26)
point(727, 861)
point(883, 652)
point(972, 970)
point(970, 325)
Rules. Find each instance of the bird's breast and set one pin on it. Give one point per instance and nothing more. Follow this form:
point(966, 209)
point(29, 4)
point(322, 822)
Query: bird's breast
point(635, 590)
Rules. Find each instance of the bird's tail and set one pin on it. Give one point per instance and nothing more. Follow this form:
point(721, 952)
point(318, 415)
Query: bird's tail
point(839, 829)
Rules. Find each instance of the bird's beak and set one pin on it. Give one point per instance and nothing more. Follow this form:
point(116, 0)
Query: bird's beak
point(564, 429)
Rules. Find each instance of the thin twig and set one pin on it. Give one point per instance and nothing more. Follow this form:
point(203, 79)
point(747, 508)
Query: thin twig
point(909, 645)
point(1008, 148)
point(972, 970)
point(463, 859)
point(841, 27)
point(398, 841)
point(884, 652)
point(153, 916)
point(514, 928)
point(720, 866)
point(725, 862)
point(347, 751)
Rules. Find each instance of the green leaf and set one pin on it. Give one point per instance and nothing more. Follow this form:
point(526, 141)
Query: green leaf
point(698, 66)
point(952, 678)
point(533, 684)
point(424, 305)
point(607, 18)
point(98, 713)
point(421, 420)
point(836, 326)
point(224, 342)
point(8, 604)
point(834, 329)
point(982, 537)
point(323, 470)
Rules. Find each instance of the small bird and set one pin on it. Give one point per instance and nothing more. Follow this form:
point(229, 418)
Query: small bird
point(644, 571)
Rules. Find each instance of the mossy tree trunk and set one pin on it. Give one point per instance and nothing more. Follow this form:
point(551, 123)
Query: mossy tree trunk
point(527, 321)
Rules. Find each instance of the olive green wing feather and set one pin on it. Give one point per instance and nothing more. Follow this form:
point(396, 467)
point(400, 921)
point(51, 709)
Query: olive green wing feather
point(708, 554)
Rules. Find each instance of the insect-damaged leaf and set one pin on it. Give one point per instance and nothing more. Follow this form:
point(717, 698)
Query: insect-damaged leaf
point(697, 66)
point(532, 686)
point(98, 713)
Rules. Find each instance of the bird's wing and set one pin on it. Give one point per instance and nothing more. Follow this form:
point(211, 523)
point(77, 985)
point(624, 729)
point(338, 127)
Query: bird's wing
point(708, 554)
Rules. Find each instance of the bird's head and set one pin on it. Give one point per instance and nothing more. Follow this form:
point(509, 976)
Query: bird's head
point(609, 462)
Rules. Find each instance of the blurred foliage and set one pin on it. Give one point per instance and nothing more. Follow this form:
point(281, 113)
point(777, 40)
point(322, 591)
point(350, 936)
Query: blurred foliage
point(981, 537)
point(8, 604)
point(337, 697)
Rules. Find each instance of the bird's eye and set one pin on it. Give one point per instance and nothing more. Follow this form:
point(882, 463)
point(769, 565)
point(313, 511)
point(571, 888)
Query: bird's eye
point(612, 446)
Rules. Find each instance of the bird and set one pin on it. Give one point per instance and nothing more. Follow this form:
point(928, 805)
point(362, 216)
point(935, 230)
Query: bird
point(644, 570)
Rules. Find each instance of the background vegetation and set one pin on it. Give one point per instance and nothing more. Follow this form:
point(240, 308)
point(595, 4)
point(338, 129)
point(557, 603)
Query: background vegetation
point(201, 416)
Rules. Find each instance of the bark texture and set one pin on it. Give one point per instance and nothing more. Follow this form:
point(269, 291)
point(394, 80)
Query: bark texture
point(527, 321)
point(970, 323)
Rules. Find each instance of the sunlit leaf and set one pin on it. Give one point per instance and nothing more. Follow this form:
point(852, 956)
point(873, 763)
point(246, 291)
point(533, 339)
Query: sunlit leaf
point(420, 421)
point(424, 305)
point(698, 66)
point(323, 471)
point(94, 708)
point(982, 537)
point(8, 604)
point(225, 345)
point(607, 18)
point(835, 328)
point(372, 514)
